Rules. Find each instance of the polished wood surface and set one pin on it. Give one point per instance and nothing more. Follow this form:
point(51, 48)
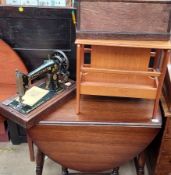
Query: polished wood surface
point(122, 57)
point(126, 43)
point(107, 132)
point(9, 62)
point(90, 148)
point(112, 73)
point(105, 110)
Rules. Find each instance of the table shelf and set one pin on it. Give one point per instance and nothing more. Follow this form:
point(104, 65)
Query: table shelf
point(120, 90)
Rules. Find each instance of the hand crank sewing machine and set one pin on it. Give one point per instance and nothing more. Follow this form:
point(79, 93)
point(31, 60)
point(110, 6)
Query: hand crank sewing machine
point(55, 68)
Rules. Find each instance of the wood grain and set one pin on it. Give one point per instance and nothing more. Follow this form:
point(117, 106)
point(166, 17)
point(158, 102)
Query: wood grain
point(120, 58)
point(107, 132)
point(126, 43)
point(119, 90)
point(125, 72)
point(104, 110)
point(9, 62)
point(105, 16)
point(91, 148)
point(122, 68)
point(127, 79)
point(124, 19)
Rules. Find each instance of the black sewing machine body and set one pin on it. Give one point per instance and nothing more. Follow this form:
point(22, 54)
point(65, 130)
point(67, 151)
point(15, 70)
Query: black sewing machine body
point(55, 70)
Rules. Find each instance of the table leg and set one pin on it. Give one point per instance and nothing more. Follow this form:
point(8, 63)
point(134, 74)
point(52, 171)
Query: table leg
point(79, 47)
point(31, 148)
point(140, 163)
point(115, 171)
point(39, 162)
point(64, 171)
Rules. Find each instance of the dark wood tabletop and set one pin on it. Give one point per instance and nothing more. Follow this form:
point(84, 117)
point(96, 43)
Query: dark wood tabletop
point(107, 133)
point(104, 110)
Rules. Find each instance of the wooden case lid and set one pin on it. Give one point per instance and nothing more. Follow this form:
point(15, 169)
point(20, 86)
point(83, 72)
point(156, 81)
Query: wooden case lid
point(9, 62)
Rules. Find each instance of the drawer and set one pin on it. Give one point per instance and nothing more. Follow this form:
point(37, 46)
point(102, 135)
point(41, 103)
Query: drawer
point(133, 19)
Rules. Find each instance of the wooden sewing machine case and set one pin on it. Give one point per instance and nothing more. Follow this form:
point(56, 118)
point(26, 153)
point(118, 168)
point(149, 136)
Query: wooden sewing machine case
point(124, 19)
point(55, 28)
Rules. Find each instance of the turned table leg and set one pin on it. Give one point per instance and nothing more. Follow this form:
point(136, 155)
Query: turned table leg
point(39, 162)
point(115, 171)
point(64, 171)
point(140, 163)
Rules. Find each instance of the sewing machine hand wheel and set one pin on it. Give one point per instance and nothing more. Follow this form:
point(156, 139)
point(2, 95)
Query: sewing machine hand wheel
point(63, 63)
point(61, 58)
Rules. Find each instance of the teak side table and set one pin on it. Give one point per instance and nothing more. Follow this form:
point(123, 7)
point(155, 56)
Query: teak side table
point(122, 68)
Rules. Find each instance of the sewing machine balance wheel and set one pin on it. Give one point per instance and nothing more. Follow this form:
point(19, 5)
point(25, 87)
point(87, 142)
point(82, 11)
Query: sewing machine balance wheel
point(62, 58)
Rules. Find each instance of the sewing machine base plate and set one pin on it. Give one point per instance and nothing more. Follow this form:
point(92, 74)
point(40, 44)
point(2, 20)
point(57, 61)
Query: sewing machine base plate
point(25, 109)
point(28, 120)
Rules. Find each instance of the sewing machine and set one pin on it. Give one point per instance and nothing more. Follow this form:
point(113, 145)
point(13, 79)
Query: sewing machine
point(55, 75)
